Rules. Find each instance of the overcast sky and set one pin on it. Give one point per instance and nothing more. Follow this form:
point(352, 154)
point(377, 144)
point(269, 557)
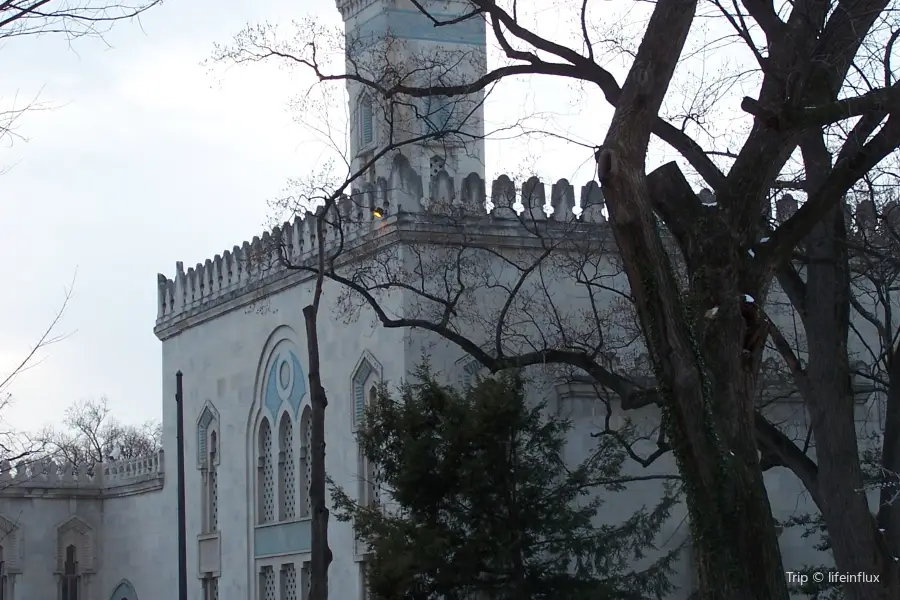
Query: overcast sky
point(144, 157)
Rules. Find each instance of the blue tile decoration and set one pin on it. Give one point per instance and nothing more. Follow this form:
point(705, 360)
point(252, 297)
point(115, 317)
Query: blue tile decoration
point(413, 25)
point(359, 392)
point(284, 538)
point(286, 382)
point(206, 417)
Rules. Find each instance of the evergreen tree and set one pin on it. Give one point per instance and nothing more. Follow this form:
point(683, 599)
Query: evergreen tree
point(482, 505)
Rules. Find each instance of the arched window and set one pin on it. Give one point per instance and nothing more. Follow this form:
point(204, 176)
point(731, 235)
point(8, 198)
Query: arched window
point(288, 582)
point(366, 469)
point(305, 461)
point(305, 581)
point(366, 125)
point(265, 475)
point(208, 463)
point(439, 115)
point(286, 469)
point(212, 485)
point(268, 585)
point(71, 580)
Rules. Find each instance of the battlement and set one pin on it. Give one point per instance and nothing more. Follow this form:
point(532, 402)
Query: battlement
point(366, 217)
point(375, 212)
point(102, 478)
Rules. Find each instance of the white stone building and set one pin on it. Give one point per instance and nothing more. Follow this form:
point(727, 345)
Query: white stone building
point(233, 325)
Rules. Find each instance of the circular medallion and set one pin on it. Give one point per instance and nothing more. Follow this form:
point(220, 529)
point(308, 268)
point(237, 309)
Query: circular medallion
point(285, 376)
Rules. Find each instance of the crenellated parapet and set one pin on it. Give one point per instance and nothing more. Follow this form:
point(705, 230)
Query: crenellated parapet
point(865, 219)
point(100, 479)
point(372, 211)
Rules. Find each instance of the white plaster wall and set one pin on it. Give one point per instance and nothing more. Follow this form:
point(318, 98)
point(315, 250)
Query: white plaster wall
point(38, 519)
point(140, 541)
point(221, 360)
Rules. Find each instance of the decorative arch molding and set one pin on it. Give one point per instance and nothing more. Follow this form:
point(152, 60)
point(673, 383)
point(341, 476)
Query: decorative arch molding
point(124, 591)
point(76, 532)
point(11, 541)
point(366, 368)
point(208, 420)
point(286, 381)
point(280, 376)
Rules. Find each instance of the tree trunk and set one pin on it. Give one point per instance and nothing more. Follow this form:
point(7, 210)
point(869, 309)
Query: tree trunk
point(889, 501)
point(831, 409)
point(734, 536)
point(856, 544)
point(320, 554)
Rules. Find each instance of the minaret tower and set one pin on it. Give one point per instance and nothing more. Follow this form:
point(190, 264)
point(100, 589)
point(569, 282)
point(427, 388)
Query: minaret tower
point(391, 39)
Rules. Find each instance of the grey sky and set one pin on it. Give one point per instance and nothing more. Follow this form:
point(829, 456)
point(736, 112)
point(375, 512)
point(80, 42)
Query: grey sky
point(145, 159)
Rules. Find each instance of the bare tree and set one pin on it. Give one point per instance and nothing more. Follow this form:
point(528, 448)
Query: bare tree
point(321, 556)
point(91, 435)
point(822, 120)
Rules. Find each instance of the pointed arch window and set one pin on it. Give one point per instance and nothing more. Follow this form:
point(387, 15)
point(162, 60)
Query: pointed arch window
point(212, 485)
point(366, 122)
point(367, 477)
point(439, 115)
point(288, 582)
point(305, 581)
point(305, 461)
point(268, 585)
point(286, 469)
point(70, 583)
point(208, 462)
point(265, 483)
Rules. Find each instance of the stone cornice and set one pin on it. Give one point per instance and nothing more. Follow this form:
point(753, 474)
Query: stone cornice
point(403, 228)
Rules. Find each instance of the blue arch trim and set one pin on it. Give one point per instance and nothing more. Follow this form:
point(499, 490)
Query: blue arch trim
point(295, 389)
point(124, 591)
